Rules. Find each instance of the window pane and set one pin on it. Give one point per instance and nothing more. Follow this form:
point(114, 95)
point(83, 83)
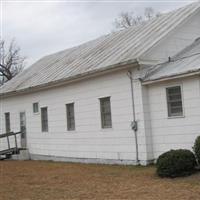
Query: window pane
point(174, 101)
point(106, 120)
point(70, 117)
point(44, 119)
point(176, 110)
point(174, 90)
point(174, 97)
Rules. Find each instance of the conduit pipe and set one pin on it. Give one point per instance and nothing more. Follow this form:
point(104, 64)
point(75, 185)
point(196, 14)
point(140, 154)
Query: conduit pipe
point(134, 122)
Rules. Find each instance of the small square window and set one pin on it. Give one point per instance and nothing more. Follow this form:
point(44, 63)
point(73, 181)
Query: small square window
point(35, 107)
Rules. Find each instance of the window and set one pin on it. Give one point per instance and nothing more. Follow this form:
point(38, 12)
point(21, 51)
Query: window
point(70, 117)
point(106, 121)
point(7, 122)
point(35, 107)
point(174, 101)
point(44, 119)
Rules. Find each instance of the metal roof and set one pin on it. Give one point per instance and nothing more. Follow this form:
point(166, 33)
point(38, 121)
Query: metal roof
point(187, 61)
point(95, 55)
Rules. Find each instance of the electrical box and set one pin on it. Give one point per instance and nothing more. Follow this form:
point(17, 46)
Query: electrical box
point(134, 125)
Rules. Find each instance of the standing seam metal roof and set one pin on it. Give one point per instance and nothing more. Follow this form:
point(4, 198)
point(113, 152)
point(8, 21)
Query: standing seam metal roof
point(103, 52)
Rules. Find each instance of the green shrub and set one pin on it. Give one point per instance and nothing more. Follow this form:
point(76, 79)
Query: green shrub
point(196, 149)
point(175, 163)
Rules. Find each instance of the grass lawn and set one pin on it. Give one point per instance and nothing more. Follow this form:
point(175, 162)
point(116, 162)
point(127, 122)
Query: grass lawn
point(36, 180)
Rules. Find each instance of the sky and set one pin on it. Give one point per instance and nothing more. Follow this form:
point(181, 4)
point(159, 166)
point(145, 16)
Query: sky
point(44, 27)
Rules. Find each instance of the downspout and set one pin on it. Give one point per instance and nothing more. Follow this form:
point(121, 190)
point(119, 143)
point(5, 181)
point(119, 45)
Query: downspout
point(134, 122)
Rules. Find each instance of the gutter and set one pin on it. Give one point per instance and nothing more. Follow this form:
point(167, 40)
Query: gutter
point(72, 79)
point(175, 76)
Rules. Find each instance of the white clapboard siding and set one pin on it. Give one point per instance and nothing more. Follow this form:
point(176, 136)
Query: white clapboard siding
point(89, 140)
point(174, 133)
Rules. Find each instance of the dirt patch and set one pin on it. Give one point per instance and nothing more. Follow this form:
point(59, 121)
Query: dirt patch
point(35, 180)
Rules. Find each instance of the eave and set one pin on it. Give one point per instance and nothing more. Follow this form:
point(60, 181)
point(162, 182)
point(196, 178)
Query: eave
point(175, 76)
point(98, 72)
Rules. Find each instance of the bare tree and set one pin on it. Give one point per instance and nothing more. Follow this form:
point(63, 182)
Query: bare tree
point(127, 19)
point(11, 62)
point(149, 13)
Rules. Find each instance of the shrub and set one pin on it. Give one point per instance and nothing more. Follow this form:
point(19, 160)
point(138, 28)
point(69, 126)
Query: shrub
point(175, 163)
point(196, 149)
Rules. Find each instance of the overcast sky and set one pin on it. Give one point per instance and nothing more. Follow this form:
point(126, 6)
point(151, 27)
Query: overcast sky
point(44, 27)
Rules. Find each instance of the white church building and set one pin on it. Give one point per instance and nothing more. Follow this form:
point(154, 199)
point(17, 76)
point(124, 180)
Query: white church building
point(125, 97)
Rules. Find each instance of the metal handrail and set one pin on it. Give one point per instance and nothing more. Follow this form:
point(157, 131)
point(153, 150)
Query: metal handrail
point(9, 134)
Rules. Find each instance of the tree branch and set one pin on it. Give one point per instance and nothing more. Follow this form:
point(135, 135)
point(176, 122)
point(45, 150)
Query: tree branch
point(11, 62)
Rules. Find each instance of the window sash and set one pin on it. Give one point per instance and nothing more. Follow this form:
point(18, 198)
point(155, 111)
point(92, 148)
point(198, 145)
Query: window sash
point(174, 101)
point(7, 122)
point(70, 117)
point(105, 107)
point(44, 119)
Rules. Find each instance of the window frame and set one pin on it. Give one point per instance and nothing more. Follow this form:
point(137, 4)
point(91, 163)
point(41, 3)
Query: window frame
point(44, 122)
point(71, 125)
point(103, 123)
point(169, 113)
point(37, 108)
point(7, 128)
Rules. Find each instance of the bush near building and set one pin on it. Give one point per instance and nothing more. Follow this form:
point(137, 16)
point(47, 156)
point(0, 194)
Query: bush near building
point(196, 149)
point(176, 163)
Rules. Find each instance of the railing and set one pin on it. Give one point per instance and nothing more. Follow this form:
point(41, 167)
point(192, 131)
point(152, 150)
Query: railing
point(10, 149)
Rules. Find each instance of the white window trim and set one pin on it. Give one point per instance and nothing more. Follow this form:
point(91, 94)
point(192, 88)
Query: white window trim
point(36, 113)
point(47, 118)
point(182, 98)
point(73, 130)
point(105, 129)
point(9, 121)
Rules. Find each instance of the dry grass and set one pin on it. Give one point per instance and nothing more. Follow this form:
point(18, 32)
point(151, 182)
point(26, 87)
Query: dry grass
point(34, 180)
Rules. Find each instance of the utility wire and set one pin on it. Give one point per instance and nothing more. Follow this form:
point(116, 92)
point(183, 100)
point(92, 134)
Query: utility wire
point(186, 57)
point(153, 68)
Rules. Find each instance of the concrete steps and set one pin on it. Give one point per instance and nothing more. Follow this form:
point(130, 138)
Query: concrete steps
point(23, 155)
